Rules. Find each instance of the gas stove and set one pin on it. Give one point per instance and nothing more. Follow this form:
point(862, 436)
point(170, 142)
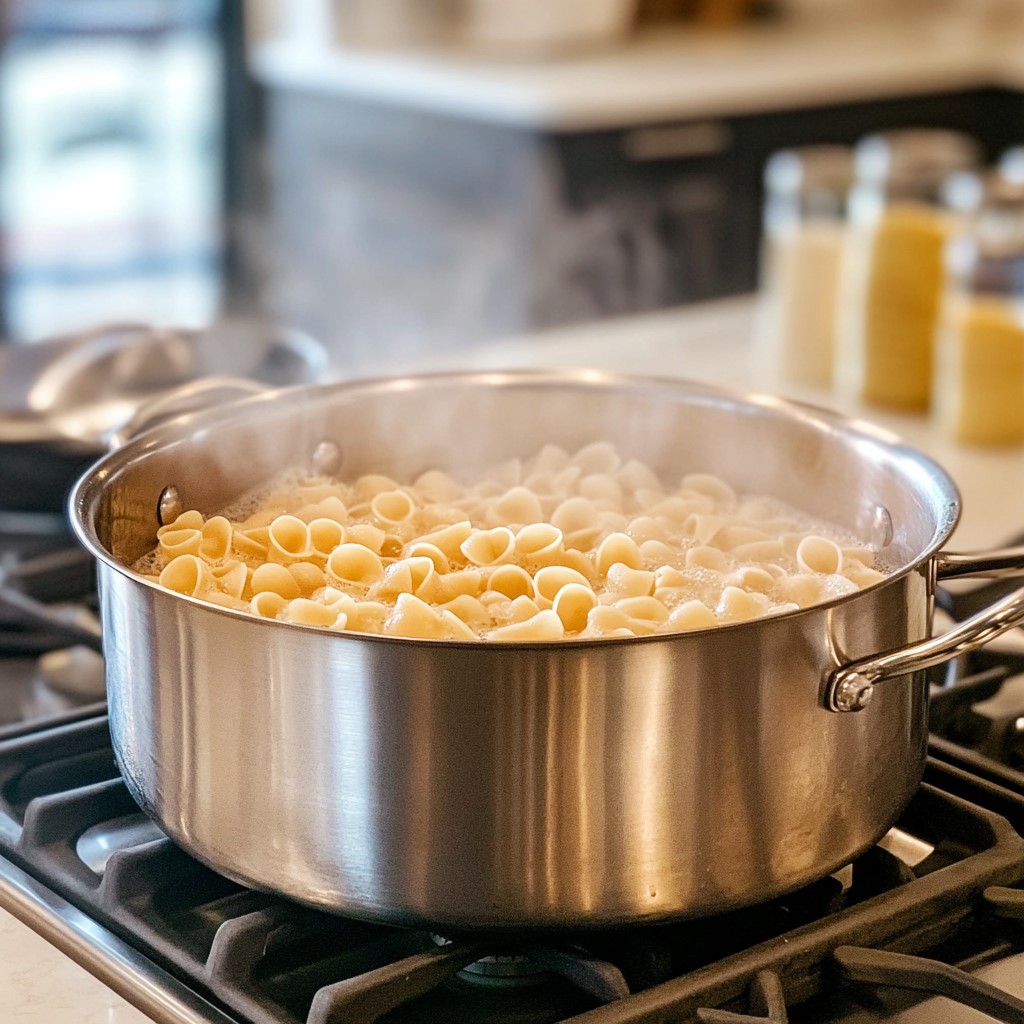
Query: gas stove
point(926, 926)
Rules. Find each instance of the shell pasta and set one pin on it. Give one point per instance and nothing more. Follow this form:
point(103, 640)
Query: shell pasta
point(559, 545)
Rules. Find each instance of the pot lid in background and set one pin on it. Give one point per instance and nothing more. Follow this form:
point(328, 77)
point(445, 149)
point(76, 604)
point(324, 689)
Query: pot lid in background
point(62, 400)
point(81, 388)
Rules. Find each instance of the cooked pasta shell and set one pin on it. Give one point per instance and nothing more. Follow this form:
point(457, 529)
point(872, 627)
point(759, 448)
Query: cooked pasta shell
point(325, 535)
point(276, 579)
point(248, 546)
point(647, 609)
point(310, 613)
point(603, 489)
point(470, 610)
point(412, 617)
point(393, 508)
point(545, 625)
point(423, 549)
point(550, 579)
point(308, 576)
point(819, 554)
point(464, 581)
point(216, 539)
point(714, 487)
point(572, 604)
point(538, 542)
point(759, 551)
point(645, 528)
point(456, 628)
point(267, 604)
point(705, 557)
point(635, 475)
point(231, 577)
point(626, 581)
point(575, 515)
point(618, 547)
point(370, 485)
point(702, 528)
point(597, 457)
point(752, 577)
point(450, 539)
point(511, 580)
point(187, 574)
point(192, 519)
point(437, 486)
point(184, 541)
point(736, 605)
point(691, 615)
point(367, 616)
point(550, 459)
point(288, 539)
point(366, 535)
point(518, 506)
point(355, 565)
point(489, 547)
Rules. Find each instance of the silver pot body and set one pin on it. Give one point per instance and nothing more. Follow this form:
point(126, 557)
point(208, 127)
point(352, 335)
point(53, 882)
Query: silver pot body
point(471, 785)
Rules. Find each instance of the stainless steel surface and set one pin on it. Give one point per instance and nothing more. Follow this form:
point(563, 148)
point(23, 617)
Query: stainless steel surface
point(168, 505)
point(131, 975)
point(852, 687)
point(547, 784)
point(1005, 975)
point(997, 564)
point(63, 400)
point(907, 848)
point(326, 458)
point(195, 394)
point(96, 845)
point(79, 388)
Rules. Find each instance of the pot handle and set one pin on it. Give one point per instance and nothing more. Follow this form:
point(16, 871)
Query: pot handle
point(201, 393)
point(850, 687)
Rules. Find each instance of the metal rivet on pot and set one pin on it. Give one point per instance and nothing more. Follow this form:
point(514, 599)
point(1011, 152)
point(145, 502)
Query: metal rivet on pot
point(854, 693)
point(168, 505)
point(326, 460)
point(881, 527)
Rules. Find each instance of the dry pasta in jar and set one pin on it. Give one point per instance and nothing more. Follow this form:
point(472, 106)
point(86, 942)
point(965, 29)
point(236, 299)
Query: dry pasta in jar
point(559, 545)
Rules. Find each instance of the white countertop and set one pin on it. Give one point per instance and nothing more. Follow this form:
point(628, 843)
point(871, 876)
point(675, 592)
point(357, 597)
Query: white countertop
point(712, 342)
point(668, 73)
point(40, 985)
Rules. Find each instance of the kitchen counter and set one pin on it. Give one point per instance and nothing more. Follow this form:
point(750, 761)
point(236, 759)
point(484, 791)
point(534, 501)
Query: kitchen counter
point(40, 985)
point(669, 73)
point(712, 342)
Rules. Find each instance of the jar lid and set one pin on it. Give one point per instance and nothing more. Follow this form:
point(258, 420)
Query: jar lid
point(809, 168)
point(1011, 164)
point(921, 157)
point(989, 251)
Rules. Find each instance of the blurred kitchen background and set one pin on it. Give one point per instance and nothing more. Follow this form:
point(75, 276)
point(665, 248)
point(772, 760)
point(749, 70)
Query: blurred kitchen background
point(400, 177)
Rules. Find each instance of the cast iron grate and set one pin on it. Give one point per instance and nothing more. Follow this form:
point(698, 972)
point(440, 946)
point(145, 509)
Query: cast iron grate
point(66, 818)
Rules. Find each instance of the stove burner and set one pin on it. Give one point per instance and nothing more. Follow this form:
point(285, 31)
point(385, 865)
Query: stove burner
point(35, 592)
point(66, 818)
point(503, 970)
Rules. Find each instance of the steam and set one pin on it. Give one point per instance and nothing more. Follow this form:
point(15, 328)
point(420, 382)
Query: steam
point(467, 425)
point(383, 269)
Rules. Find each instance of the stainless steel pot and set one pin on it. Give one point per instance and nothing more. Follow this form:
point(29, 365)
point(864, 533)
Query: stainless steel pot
point(580, 783)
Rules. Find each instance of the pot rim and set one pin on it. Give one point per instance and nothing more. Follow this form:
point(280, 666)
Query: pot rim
point(87, 490)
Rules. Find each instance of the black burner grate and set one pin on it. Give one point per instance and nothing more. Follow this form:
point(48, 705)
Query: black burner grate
point(66, 819)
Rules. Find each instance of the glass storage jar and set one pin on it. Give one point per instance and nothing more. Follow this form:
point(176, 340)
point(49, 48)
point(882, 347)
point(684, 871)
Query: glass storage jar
point(979, 379)
point(894, 268)
point(806, 192)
